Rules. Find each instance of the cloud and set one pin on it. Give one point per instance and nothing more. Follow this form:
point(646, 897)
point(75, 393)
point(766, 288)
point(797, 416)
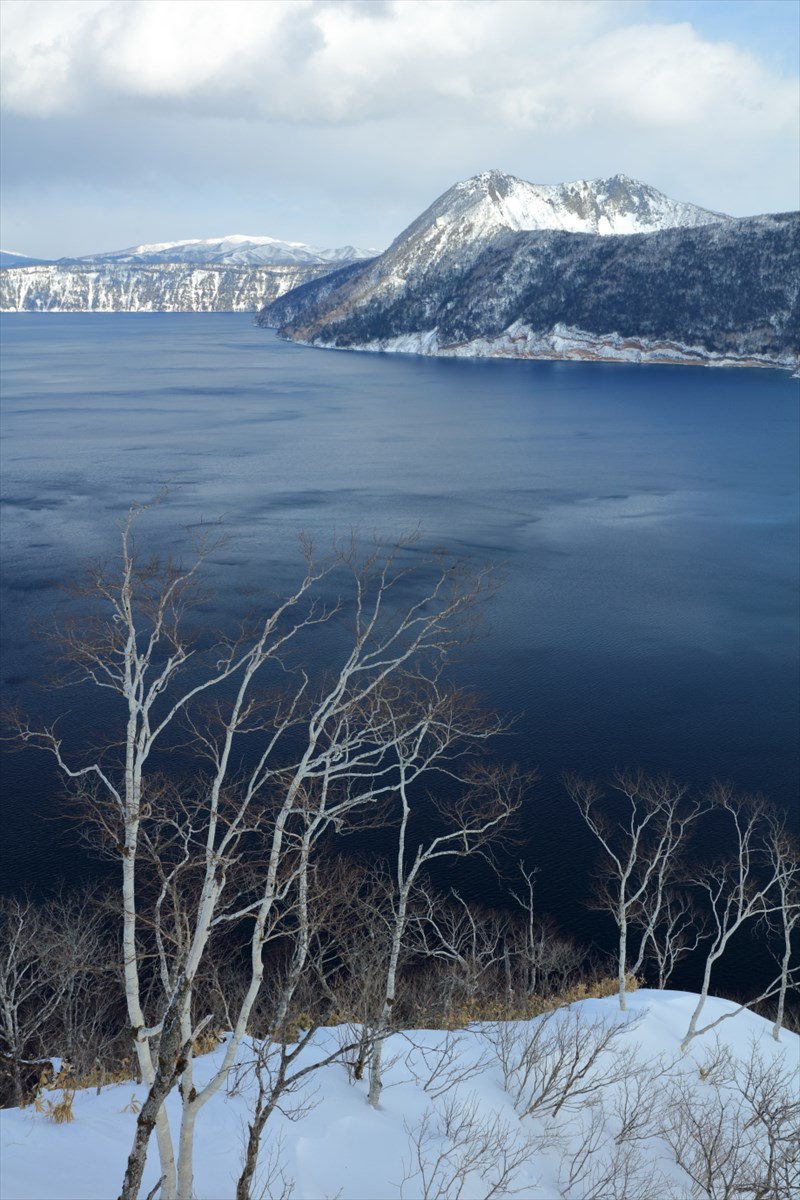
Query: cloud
point(338, 121)
point(301, 61)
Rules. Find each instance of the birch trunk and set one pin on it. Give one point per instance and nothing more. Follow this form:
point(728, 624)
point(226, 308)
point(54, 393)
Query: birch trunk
point(785, 962)
point(623, 955)
point(385, 1022)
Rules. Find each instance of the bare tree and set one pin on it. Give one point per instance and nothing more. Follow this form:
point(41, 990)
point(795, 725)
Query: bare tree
point(82, 961)
point(320, 750)
point(59, 985)
point(675, 932)
point(739, 889)
point(486, 800)
point(471, 941)
point(543, 963)
point(641, 845)
point(441, 1065)
point(28, 995)
point(784, 856)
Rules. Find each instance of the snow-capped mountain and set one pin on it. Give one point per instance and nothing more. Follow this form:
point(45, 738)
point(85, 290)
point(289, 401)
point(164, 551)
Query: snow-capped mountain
point(482, 206)
point(235, 250)
point(608, 268)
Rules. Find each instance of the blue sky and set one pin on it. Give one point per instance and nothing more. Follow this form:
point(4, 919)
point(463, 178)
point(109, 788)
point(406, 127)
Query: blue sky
point(337, 121)
point(770, 28)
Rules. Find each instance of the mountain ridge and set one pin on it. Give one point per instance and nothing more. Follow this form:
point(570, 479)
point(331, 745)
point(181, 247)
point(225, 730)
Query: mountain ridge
point(233, 249)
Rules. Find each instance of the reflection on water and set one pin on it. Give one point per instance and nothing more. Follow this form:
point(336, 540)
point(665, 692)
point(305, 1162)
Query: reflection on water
point(644, 520)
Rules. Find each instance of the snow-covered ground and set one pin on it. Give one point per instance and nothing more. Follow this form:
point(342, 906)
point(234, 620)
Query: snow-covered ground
point(420, 1140)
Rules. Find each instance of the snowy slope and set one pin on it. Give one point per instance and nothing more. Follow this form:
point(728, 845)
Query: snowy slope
point(618, 204)
point(626, 1131)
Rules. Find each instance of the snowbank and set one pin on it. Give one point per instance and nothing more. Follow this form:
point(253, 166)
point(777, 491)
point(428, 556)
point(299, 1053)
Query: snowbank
point(340, 1146)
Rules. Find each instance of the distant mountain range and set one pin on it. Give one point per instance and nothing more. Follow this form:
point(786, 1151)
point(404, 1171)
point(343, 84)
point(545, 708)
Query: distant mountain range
point(233, 250)
point(8, 258)
point(236, 273)
point(609, 268)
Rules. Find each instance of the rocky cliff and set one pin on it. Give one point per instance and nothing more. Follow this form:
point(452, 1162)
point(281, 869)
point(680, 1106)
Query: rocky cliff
point(164, 287)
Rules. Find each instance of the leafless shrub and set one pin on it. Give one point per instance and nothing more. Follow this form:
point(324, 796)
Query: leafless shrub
point(718, 1066)
point(740, 1138)
point(599, 1166)
point(560, 1060)
point(442, 1067)
point(456, 1152)
point(709, 1141)
point(636, 1105)
point(770, 1092)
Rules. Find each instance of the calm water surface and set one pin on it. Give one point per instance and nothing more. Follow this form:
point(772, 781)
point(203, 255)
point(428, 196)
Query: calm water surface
point(645, 521)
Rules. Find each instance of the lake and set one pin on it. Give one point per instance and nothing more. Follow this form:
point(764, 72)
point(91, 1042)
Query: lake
point(644, 520)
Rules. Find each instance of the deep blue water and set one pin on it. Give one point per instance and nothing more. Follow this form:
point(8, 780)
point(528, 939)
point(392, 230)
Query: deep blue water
point(644, 519)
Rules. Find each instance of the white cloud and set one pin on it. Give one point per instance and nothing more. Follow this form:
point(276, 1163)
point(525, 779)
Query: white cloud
point(338, 121)
point(568, 65)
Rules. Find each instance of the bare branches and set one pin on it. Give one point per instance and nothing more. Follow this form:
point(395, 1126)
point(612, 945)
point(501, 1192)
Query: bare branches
point(456, 1151)
point(560, 1060)
point(784, 862)
point(740, 888)
point(289, 753)
point(641, 841)
point(737, 1136)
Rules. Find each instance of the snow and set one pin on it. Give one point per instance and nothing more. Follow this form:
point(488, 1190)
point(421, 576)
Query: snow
point(561, 342)
point(619, 205)
point(342, 1146)
point(142, 287)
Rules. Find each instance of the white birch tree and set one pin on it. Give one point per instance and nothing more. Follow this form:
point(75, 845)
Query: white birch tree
point(486, 800)
point(642, 840)
point(784, 857)
point(740, 888)
point(321, 748)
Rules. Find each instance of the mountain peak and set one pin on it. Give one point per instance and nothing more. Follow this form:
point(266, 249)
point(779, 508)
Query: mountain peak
point(480, 207)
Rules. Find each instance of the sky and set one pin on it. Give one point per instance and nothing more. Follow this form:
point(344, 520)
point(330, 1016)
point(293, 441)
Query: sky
point(336, 122)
